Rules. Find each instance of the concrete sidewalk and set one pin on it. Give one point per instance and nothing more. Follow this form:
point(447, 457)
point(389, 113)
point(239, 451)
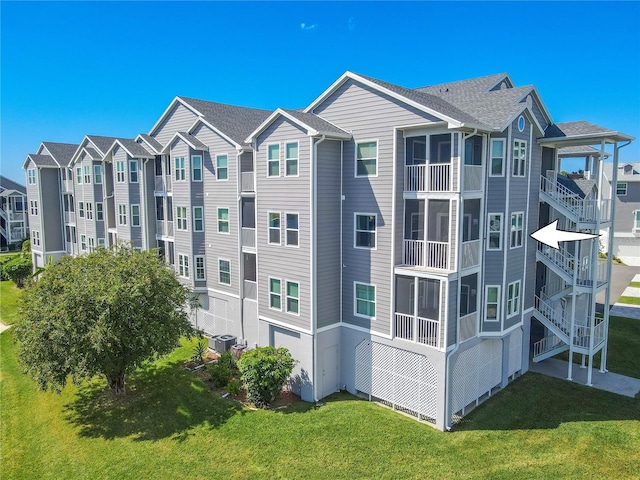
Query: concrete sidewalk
point(3, 327)
point(624, 309)
point(611, 382)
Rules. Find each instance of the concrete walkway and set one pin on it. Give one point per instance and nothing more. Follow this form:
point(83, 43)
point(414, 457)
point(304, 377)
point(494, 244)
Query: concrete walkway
point(624, 309)
point(611, 382)
point(3, 327)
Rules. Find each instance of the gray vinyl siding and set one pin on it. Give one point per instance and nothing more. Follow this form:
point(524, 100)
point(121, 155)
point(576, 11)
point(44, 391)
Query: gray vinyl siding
point(625, 205)
point(50, 210)
point(284, 194)
point(179, 119)
point(532, 225)
point(452, 314)
point(328, 244)
point(149, 213)
point(212, 193)
point(33, 193)
point(121, 195)
point(398, 231)
point(537, 112)
point(369, 115)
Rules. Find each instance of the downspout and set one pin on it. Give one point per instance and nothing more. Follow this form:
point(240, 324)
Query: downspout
point(314, 261)
point(145, 225)
point(240, 151)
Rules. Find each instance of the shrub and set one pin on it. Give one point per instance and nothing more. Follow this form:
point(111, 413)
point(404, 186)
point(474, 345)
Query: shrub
point(228, 361)
point(233, 387)
point(200, 350)
point(18, 269)
point(26, 245)
point(220, 374)
point(264, 371)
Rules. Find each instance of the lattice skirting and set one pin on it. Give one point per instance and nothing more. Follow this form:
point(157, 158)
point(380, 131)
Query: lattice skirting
point(405, 381)
point(515, 352)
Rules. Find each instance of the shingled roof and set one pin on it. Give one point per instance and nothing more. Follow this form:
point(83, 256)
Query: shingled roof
point(62, 152)
point(8, 184)
point(103, 143)
point(42, 160)
point(470, 86)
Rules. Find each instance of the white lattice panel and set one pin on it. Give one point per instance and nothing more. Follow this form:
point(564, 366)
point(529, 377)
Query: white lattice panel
point(476, 372)
point(405, 379)
point(515, 352)
point(206, 321)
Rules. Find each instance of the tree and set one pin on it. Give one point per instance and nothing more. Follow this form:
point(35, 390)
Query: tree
point(100, 314)
point(264, 371)
point(18, 269)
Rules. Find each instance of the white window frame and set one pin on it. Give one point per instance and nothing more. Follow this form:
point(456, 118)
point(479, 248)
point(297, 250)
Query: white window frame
point(182, 224)
point(122, 214)
point(355, 300)
point(121, 174)
point(292, 160)
point(83, 243)
point(498, 303)
point(621, 186)
point(91, 244)
point(102, 243)
point(355, 158)
point(31, 176)
point(278, 228)
point(33, 204)
point(200, 270)
point(86, 170)
point(287, 297)
point(273, 294)
point(519, 163)
point(88, 208)
point(635, 225)
point(489, 215)
point(513, 300)
point(196, 219)
point(227, 221)
point(134, 170)
point(356, 231)
point(515, 231)
point(225, 169)
point(194, 169)
point(134, 216)
point(179, 169)
point(81, 209)
point(503, 157)
point(287, 230)
point(183, 265)
point(78, 175)
point(35, 237)
point(220, 272)
point(99, 212)
point(270, 160)
point(97, 174)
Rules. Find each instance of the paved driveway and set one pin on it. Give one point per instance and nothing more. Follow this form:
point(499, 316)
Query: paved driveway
point(621, 276)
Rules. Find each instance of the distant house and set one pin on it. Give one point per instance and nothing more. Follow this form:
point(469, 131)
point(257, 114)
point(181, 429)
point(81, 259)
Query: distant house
point(13, 213)
point(626, 238)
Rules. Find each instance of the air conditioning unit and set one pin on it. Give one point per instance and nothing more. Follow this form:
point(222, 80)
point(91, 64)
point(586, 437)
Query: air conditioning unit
point(224, 343)
point(212, 341)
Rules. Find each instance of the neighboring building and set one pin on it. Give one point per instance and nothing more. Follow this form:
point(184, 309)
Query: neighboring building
point(381, 234)
point(14, 223)
point(626, 240)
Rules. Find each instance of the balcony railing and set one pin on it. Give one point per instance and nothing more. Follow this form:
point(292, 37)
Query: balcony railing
point(563, 260)
point(435, 177)
point(248, 237)
point(164, 228)
point(472, 177)
point(587, 275)
point(69, 217)
point(163, 183)
point(246, 182)
point(584, 210)
point(470, 254)
point(468, 326)
point(418, 329)
point(250, 290)
point(67, 186)
point(426, 254)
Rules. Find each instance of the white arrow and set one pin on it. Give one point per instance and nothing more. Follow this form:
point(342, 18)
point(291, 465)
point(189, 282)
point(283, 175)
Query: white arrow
point(550, 235)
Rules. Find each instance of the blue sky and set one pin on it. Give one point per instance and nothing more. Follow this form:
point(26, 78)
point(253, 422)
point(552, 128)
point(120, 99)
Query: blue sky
point(70, 69)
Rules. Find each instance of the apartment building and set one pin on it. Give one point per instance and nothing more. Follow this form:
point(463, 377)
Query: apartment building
point(14, 220)
point(381, 233)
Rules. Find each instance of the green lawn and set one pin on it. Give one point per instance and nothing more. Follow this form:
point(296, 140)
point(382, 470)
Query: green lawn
point(629, 300)
point(171, 426)
point(635, 284)
point(9, 295)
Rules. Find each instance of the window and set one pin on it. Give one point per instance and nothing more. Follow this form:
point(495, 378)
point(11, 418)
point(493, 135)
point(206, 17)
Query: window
point(89, 208)
point(367, 159)
point(494, 231)
point(196, 168)
point(83, 242)
point(292, 229)
point(519, 158)
point(122, 214)
point(133, 171)
point(92, 244)
point(181, 218)
point(621, 189)
point(183, 265)
point(224, 267)
point(521, 123)
point(222, 167)
point(273, 161)
point(513, 299)
point(135, 215)
point(81, 209)
point(97, 174)
point(198, 219)
point(365, 300)
point(365, 231)
point(199, 262)
point(31, 176)
point(87, 173)
point(497, 158)
point(79, 175)
point(180, 170)
point(492, 303)
point(35, 237)
point(274, 228)
point(636, 220)
point(291, 159)
point(101, 243)
point(99, 212)
point(516, 229)
point(223, 220)
point(120, 174)
point(34, 207)
point(293, 298)
point(275, 293)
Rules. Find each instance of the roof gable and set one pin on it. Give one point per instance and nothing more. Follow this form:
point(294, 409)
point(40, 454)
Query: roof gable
point(313, 124)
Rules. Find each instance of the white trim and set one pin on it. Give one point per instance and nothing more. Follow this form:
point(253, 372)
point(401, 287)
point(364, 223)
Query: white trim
point(221, 292)
point(286, 230)
point(183, 168)
point(195, 267)
point(95, 182)
point(191, 157)
point(132, 216)
point(286, 295)
point(355, 230)
point(518, 299)
point(367, 330)
point(269, 228)
point(228, 220)
point(498, 304)
point(137, 170)
point(184, 266)
point(280, 112)
point(169, 108)
point(181, 220)
point(489, 214)
point(522, 239)
point(269, 278)
point(220, 133)
point(355, 157)
point(273, 160)
point(218, 179)
point(193, 218)
point(287, 326)
point(626, 189)
point(515, 174)
point(221, 259)
point(504, 156)
point(355, 300)
point(297, 159)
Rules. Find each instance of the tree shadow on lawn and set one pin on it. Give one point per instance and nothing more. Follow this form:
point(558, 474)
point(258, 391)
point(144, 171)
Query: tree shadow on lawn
point(536, 401)
point(162, 401)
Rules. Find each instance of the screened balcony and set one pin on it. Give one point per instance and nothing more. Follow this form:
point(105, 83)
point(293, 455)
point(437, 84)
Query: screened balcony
point(426, 243)
point(418, 313)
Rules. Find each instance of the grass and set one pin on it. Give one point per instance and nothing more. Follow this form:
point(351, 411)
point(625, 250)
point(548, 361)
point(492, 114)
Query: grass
point(9, 296)
point(171, 426)
point(635, 284)
point(629, 300)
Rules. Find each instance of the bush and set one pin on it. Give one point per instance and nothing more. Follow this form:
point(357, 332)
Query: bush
point(200, 350)
point(26, 246)
point(264, 371)
point(18, 269)
point(220, 374)
point(233, 387)
point(228, 361)
point(4, 259)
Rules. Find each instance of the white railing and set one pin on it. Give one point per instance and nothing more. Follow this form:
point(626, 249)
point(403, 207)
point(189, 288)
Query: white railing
point(248, 237)
point(587, 275)
point(163, 183)
point(435, 177)
point(250, 290)
point(418, 329)
point(246, 182)
point(472, 177)
point(546, 345)
point(169, 229)
point(69, 217)
point(470, 254)
point(549, 313)
point(584, 209)
point(468, 326)
point(16, 216)
point(67, 186)
point(563, 260)
point(160, 230)
point(18, 233)
point(413, 252)
point(426, 254)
